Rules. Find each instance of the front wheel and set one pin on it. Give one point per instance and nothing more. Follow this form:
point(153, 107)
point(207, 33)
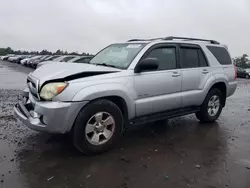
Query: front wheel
point(98, 127)
point(211, 107)
point(247, 76)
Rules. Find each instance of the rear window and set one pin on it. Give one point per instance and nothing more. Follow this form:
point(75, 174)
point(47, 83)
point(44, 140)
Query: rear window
point(221, 54)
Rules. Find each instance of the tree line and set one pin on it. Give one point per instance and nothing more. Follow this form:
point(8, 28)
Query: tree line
point(5, 51)
point(242, 61)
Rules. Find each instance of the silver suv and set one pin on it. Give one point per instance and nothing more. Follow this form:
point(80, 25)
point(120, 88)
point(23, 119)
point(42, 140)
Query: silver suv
point(125, 84)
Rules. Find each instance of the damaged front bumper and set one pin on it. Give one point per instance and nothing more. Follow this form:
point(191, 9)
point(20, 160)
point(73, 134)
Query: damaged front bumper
point(47, 116)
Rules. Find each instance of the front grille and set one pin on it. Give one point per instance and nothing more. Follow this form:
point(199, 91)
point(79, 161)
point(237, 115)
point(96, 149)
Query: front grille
point(33, 87)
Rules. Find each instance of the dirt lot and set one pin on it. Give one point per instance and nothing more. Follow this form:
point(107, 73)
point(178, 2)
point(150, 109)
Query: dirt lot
point(181, 153)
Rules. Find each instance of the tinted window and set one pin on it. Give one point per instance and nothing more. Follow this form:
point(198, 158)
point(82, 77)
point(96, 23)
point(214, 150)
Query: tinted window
point(189, 57)
point(83, 60)
point(67, 58)
point(166, 57)
point(202, 59)
point(221, 54)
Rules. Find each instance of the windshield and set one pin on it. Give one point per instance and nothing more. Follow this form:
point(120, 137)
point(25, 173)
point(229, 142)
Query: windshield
point(118, 55)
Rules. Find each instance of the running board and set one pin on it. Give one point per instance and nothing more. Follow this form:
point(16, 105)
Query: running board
point(163, 115)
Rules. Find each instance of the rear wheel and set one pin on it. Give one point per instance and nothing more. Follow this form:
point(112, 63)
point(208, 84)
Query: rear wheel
point(97, 127)
point(211, 107)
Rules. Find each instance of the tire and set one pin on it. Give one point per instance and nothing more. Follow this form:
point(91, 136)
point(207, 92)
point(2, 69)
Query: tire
point(247, 76)
point(205, 115)
point(88, 115)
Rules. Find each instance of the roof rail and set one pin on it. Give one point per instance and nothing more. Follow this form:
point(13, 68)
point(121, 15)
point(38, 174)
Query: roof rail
point(185, 38)
point(134, 40)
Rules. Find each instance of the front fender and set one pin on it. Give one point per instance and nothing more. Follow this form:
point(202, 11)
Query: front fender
point(93, 92)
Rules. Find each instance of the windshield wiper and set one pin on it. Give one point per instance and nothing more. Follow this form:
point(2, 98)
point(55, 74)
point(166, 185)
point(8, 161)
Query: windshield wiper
point(106, 65)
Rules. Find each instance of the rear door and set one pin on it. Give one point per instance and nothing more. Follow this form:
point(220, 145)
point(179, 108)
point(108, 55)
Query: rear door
point(195, 72)
point(159, 90)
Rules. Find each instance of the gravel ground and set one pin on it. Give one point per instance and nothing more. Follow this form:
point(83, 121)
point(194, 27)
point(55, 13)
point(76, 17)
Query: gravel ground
point(180, 153)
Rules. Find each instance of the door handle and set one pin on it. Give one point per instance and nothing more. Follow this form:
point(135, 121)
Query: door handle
point(175, 74)
point(205, 71)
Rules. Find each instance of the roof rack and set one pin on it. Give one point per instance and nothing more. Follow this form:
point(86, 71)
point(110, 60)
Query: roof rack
point(173, 38)
point(185, 38)
point(134, 40)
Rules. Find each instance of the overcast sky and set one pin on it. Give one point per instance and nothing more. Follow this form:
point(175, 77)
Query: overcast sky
point(90, 25)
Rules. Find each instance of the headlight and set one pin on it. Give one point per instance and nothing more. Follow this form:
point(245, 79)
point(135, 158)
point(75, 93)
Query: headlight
point(50, 90)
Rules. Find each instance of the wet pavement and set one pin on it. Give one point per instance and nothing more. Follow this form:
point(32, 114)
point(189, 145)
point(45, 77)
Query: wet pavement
point(13, 76)
point(180, 153)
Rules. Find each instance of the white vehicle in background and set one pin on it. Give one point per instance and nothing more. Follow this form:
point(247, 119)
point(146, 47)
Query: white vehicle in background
point(37, 61)
point(10, 59)
point(27, 60)
point(28, 63)
point(5, 58)
point(14, 58)
point(23, 61)
point(34, 62)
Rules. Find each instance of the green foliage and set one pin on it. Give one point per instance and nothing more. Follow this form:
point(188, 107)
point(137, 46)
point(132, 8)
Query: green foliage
point(8, 50)
point(242, 61)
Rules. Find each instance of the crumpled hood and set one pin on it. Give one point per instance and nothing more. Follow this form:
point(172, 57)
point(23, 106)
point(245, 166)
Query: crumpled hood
point(69, 71)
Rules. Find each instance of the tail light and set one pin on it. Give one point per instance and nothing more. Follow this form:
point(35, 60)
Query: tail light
point(235, 72)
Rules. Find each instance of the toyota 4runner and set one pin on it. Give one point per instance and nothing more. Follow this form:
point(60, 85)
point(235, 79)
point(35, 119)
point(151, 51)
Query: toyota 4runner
point(125, 84)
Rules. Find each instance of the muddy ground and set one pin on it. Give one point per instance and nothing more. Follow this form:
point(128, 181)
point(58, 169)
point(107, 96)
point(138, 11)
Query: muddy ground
point(180, 153)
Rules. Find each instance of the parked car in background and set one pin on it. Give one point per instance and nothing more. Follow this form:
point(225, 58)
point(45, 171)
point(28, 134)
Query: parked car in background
point(12, 58)
point(23, 61)
point(242, 73)
point(5, 58)
point(16, 58)
point(51, 58)
point(20, 58)
point(127, 84)
point(34, 62)
point(64, 58)
point(27, 60)
point(81, 59)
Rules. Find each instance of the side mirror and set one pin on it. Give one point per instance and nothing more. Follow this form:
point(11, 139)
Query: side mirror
point(147, 65)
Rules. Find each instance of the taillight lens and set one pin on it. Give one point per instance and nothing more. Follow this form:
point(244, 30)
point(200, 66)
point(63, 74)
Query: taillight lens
point(235, 72)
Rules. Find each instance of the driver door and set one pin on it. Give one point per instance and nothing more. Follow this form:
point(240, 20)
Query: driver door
point(159, 90)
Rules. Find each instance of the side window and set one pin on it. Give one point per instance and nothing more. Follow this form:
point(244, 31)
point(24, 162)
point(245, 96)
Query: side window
point(202, 59)
point(166, 57)
point(189, 57)
point(221, 54)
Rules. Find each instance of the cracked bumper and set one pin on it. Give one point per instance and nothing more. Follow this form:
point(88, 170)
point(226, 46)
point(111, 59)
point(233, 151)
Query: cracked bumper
point(49, 116)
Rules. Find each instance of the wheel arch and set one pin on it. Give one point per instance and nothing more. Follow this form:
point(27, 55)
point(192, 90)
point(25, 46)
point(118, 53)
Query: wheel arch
point(223, 88)
point(117, 93)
